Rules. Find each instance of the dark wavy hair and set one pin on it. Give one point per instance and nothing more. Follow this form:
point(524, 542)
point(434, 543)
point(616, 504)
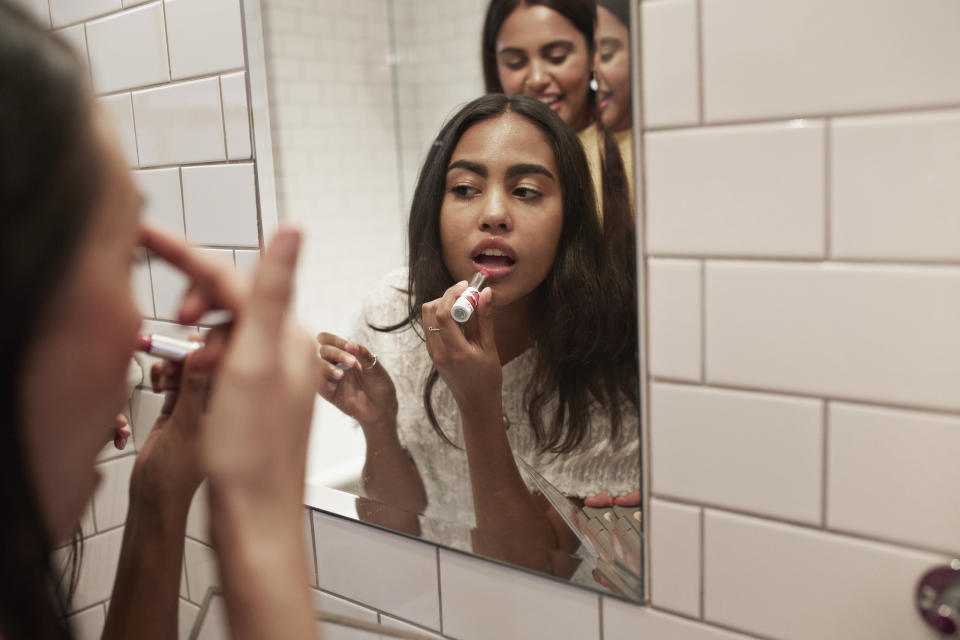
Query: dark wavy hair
point(585, 342)
point(581, 13)
point(619, 8)
point(49, 184)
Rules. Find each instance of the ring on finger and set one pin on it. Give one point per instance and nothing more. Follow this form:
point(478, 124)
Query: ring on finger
point(433, 328)
point(374, 363)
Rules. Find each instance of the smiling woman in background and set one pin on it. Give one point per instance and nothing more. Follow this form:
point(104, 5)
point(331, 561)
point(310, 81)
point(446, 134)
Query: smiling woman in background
point(69, 234)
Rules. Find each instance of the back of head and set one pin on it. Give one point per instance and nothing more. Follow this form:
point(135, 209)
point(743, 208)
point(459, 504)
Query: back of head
point(619, 8)
point(49, 183)
point(581, 13)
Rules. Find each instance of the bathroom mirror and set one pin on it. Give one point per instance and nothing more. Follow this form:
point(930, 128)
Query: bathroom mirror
point(349, 98)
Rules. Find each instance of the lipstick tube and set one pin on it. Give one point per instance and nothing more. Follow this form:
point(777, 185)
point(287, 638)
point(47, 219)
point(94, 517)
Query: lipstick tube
point(167, 348)
point(469, 299)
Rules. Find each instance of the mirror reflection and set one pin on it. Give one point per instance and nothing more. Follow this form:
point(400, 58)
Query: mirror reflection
point(416, 159)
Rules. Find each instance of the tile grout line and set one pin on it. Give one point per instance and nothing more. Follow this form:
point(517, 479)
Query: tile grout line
point(313, 548)
point(663, 380)
point(439, 590)
point(711, 625)
point(806, 526)
point(168, 83)
point(600, 614)
point(784, 119)
point(136, 138)
point(223, 117)
point(166, 39)
point(879, 261)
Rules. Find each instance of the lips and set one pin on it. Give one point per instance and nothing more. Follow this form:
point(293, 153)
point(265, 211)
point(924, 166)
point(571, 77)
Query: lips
point(605, 99)
point(494, 255)
point(552, 100)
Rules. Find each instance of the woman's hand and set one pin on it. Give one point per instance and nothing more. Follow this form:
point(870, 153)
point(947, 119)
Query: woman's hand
point(607, 499)
point(466, 358)
point(356, 384)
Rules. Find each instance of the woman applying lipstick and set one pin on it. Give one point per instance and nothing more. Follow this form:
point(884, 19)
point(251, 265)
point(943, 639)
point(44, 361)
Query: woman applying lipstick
point(546, 368)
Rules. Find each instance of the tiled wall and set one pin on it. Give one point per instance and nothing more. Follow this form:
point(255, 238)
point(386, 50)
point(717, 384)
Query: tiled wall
point(171, 76)
point(802, 225)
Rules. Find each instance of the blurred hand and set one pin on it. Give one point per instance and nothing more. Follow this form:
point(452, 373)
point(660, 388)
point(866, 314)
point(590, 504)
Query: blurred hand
point(607, 499)
point(254, 444)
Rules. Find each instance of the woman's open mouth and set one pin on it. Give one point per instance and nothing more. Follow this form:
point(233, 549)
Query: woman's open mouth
point(498, 262)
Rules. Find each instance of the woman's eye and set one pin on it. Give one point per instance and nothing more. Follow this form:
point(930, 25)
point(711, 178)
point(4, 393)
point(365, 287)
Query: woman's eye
point(464, 191)
point(606, 56)
point(526, 193)
point(515, 63)
point(556, 59)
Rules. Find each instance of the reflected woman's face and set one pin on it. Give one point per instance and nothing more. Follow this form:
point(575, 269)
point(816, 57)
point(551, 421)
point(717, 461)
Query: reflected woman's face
point(503, 207)
point(613, 71)
point(541, 54)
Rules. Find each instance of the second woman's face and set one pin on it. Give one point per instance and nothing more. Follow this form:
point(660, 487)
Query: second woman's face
point(613, 71)
point(541, 54)
point(503, 207)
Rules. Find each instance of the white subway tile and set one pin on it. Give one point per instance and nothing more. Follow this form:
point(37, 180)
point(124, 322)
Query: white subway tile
point(66, 12)
point(749, 451)
point(674, 298)
point(201, 569)
point(180, 123)
point(133, 3)
point(87, 525)
point(247, 261)
point(884, 334)
point(896, 187)
point(128, 49)
point(164, 204)
point(143, 288)
point(399, 625)
point(146, 406)
point(310, 546)
point(737, 191)
point(384, 570)
point(198, 518)
point(764, 59)
point(88, 624)
point(674, 557)
point(236, 115)
point(214, 625)
point(169, 285)
point(625, 621)
point(670, 63)
point(793, 583)
point(119, 111)
point(889, 473)
point(333, 605)
point(220, 205)
point(482, 599)
point(187, 616)
point(205, 36)
point(184, 592)
point(39, 9)
point(112, 497)
point(76, 36)
point(100, 556)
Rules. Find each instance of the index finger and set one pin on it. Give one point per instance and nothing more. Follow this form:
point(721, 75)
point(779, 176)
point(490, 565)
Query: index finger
point(217, 284)
point(272, 288)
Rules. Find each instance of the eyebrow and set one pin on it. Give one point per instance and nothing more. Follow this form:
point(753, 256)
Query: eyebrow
point(526, 169)
point(613, 42)
point(566, 44)
point(474, 167)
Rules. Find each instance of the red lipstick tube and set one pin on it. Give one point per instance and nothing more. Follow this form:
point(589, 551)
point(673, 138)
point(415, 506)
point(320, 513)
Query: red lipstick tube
point(469, 299)
point(167, 348)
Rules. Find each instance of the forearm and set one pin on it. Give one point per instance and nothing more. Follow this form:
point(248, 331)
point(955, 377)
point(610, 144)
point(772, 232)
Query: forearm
point(511, 523)
point(390, 476)
point(144, 600)
point(263, 567)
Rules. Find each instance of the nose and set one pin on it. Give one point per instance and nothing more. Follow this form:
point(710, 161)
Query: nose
point(495, 216)
point(537, 79)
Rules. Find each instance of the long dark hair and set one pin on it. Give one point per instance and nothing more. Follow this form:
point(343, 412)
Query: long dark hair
point(585, 342)
point(581, 13)
point(49, 183)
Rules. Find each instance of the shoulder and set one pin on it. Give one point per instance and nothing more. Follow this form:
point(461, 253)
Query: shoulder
point(387, 303)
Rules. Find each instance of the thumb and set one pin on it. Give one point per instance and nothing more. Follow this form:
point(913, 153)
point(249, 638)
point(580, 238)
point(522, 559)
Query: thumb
point(273, 286)
point(485, 320)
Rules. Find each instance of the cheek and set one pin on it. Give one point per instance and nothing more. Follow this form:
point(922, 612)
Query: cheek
point(512, 81)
